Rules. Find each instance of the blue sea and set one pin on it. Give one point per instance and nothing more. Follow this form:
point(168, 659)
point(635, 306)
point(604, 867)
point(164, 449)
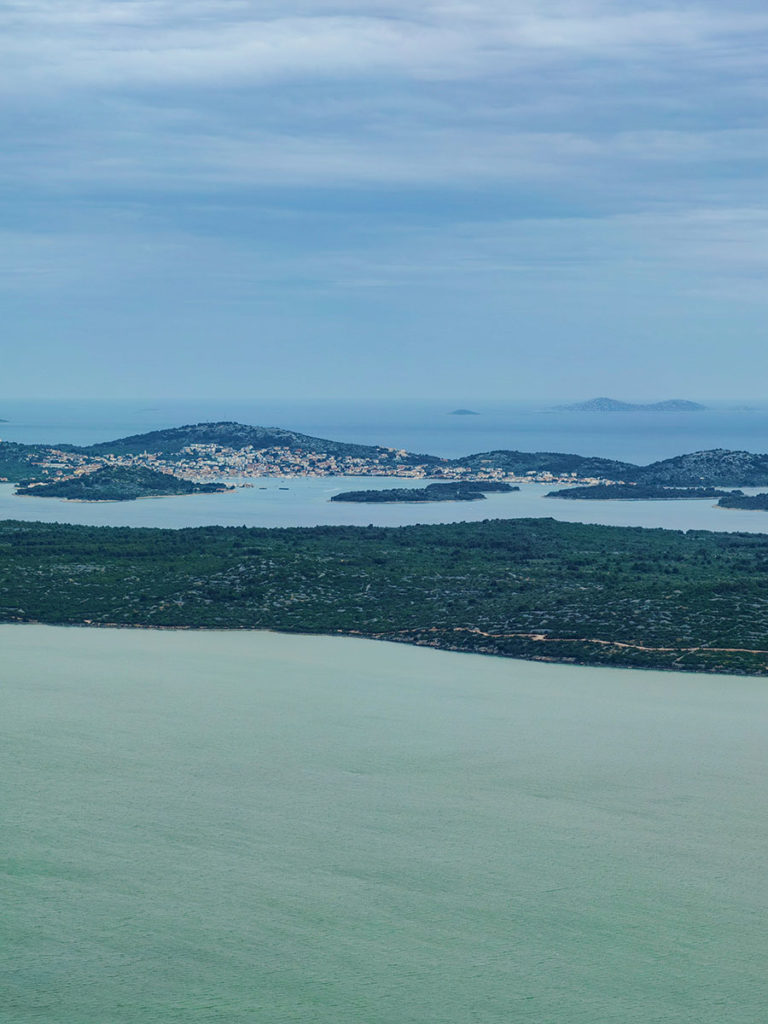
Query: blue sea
point(419, 426)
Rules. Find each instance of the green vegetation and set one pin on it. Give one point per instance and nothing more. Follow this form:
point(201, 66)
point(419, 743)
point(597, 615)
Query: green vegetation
point(119, 483)
point(469, 490)
point(739, 500)
point(636, 492)
point(524, 588)
point(557, 463)
point(17, 461)
point(716, 468)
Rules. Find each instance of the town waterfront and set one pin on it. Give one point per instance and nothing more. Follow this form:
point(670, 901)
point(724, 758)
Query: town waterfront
point(242, 827)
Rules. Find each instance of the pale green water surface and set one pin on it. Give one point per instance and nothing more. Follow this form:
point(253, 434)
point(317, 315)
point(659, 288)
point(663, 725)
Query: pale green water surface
point(246, 827)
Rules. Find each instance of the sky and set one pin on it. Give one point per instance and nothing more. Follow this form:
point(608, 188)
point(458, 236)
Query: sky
point(480, 198)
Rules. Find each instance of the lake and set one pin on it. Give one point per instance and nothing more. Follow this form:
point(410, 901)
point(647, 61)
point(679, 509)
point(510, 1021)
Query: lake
point(243, 827)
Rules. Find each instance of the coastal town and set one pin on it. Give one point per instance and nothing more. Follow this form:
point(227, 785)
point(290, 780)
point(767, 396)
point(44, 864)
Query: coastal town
point(205, 463)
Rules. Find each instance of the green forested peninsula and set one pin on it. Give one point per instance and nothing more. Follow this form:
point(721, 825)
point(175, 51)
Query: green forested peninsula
point(118, 483)
point(530, 588)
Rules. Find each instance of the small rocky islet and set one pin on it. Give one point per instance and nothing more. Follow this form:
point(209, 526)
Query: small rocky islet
point(469, 490)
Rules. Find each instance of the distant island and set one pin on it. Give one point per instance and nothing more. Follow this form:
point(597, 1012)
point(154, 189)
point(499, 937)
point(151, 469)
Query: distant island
point(118, 483)
point(739, 500)
point(638, 492)
point(462, 491)
point(612, 405)
point(463, 412)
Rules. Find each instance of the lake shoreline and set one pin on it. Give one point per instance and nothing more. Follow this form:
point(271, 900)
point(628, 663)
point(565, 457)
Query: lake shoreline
point(428, 644)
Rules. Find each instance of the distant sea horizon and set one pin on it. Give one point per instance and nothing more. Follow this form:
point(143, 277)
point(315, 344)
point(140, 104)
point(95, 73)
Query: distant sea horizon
point(424, 426)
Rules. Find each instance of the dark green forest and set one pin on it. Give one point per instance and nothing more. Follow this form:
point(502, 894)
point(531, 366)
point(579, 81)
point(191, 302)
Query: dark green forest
point(530, 588)
point(637, 492)
point(738, 500)
point(463, 490)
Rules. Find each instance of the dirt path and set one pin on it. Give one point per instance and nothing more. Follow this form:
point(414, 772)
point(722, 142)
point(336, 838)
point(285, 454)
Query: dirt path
point(544, 638)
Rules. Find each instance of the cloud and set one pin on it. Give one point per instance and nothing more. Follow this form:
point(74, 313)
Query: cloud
point(182, 150)
point(620, 97)
point(602, 111)
point(696, 252)
point(165, 95)
point(90, 44)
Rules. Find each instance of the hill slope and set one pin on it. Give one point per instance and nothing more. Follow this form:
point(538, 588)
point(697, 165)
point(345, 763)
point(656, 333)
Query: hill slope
point(719, 467)
point(548, 462)
point(228, 434)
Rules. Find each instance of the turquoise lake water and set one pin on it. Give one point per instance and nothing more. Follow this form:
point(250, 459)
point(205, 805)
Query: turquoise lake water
point(249, 828)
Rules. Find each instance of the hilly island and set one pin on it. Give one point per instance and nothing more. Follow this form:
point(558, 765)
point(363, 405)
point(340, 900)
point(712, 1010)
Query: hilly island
point(208, 452)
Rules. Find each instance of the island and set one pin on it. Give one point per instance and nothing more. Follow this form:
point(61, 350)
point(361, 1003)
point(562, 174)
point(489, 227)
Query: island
point(637, 492)
point(613, 405)
point(750, 501)
point(463, 412)
point(522, 588)
point(214, 451)
point(118, 483)
point(462, 491)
